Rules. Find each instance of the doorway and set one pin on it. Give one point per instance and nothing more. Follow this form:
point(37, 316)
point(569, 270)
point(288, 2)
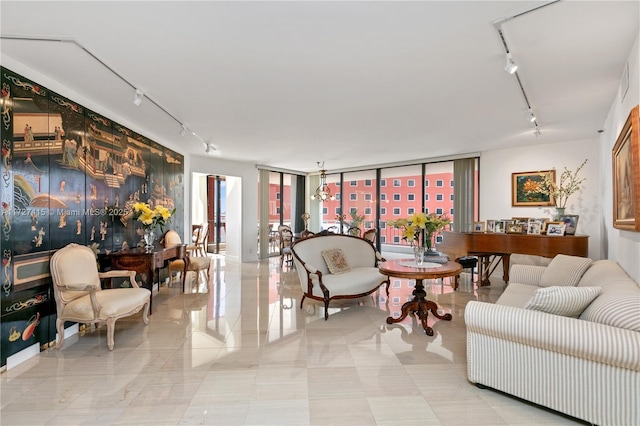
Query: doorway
point(216, 214)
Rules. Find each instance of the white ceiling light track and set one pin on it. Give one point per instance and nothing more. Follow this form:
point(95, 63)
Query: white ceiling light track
point(512, 68)
point(138, 95)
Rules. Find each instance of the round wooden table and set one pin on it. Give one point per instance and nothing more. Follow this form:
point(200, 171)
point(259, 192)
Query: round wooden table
point(406, 268)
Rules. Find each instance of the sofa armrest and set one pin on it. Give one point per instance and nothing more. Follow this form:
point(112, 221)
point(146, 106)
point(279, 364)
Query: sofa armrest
point(526, 274)
point(311, 269)
point(570, 336)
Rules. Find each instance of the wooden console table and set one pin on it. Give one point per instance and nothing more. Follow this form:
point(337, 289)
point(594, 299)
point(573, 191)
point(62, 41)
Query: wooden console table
point(491, 247)
point(149, 262)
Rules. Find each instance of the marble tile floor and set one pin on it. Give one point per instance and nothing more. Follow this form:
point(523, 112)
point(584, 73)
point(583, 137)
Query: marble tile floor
point(242, 352)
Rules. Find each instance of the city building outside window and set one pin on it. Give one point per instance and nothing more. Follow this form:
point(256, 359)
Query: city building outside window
point(411, 182)
point(396, 211)
point(439, 183)
point(411, 197)
point(367, 182)
point(396, 197)
point(396, 182)
point(439, 197)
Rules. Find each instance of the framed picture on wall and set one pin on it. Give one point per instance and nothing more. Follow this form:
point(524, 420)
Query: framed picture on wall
point(526, 188)
point(626, 175)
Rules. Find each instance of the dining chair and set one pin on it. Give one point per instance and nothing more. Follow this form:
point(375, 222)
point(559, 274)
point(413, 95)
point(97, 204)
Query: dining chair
point(286, 240)
point(370, 234)
point(196, 264)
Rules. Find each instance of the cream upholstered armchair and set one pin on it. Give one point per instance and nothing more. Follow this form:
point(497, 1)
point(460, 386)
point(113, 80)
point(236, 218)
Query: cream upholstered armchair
point(79, 295)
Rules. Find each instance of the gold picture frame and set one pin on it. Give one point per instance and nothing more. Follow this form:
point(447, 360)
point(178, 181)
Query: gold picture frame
point(514, 228)
point(525, 189)
point(626, 175)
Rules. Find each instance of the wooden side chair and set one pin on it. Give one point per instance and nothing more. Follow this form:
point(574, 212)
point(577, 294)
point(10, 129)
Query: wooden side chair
point(370, 235)
point(195, 264)
point(286, 240)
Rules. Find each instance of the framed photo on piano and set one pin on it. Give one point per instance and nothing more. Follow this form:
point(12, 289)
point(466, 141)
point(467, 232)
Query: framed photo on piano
point(479, 226)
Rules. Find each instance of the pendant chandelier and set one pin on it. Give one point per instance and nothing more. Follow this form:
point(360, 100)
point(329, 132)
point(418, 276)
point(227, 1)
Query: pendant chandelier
point(323, 192)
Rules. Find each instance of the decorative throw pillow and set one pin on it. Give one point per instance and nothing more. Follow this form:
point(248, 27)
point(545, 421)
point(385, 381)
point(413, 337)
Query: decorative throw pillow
point(621, 311)
point(335, 260)
point(565, 270)
point(562, 300)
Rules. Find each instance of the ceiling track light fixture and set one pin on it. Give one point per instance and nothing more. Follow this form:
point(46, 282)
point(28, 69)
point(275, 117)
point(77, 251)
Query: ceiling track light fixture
point(208, 148)
point(137, 98)
point(323, 192)
point(139, 95)
point(510, 67)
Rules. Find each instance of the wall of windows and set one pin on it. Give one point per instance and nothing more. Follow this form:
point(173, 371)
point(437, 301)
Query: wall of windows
point(283, 201)
point(400, 192)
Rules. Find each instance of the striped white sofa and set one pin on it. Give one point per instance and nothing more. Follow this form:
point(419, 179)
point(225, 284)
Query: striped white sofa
point(586, 364)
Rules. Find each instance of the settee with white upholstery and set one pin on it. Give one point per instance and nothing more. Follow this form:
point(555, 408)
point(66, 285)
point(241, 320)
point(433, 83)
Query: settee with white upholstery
point(565, 336)
point(335, 266)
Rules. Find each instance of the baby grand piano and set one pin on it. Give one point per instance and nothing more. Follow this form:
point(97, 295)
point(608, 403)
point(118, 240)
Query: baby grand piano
point(490, 248)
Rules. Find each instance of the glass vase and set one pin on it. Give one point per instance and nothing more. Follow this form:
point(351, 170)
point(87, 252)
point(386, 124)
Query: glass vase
point(149, 238)
point(559, 213)
point(430, 240)
point(418, 252)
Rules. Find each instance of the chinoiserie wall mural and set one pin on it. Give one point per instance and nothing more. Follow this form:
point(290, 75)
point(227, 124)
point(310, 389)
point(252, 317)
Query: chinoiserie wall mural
point(68, 175)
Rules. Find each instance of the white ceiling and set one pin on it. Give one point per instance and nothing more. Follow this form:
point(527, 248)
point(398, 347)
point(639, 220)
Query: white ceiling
point(288, 84)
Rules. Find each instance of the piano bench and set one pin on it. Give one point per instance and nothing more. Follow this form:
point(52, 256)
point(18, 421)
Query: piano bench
point(467, 262)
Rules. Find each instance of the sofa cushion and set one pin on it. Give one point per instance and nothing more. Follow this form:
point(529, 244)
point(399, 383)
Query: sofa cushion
point(565, 271)
point(516, 295)
point(335, 260)
point(616, 310)
point(562, 300)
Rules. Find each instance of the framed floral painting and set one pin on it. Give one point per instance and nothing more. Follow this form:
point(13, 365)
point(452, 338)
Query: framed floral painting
point(626, 175)
point(528, 190)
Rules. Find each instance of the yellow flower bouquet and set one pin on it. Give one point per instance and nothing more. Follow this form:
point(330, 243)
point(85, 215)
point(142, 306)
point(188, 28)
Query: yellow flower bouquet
point(152, 218)
point(420, 229)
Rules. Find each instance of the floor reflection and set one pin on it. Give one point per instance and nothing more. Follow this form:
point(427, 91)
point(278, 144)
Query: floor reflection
point(238, 350)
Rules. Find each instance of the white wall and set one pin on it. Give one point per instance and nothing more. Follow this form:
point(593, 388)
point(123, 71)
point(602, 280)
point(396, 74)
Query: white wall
point(497, 166)
point(623, 246)
point(242, 202)
point(594, 203)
